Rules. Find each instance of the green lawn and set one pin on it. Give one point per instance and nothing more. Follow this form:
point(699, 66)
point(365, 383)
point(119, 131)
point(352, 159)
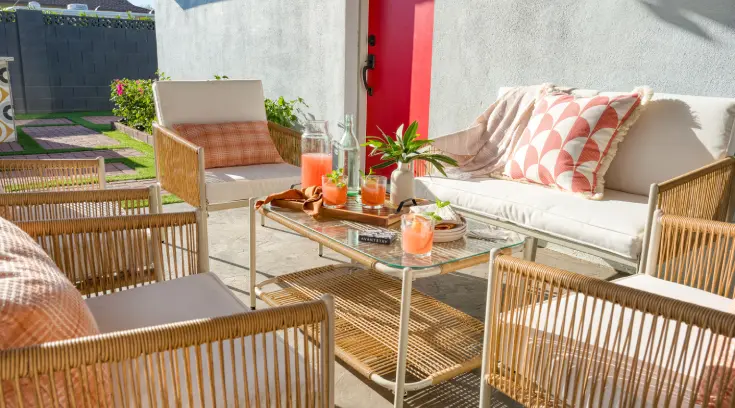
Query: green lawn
point(143, 165)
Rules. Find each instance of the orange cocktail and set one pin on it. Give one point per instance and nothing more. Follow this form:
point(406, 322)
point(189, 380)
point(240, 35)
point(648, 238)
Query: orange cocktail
point(313, 167)
point(417, 234)
point(372, 191)
point(334, 192)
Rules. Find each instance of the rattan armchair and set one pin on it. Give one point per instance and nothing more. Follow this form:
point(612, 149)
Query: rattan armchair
point(17, 175)
point(555, 338)
point(228, 360)
point(180, 165)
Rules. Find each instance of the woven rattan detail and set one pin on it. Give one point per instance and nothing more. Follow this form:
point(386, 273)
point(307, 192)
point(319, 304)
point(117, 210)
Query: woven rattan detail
point(49, 175)
point(443, 342)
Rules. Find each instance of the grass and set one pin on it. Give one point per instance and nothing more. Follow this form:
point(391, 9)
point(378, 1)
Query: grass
point(143, 164)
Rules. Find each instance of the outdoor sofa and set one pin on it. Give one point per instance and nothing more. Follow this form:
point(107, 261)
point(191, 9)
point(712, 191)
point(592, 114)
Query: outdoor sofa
point(676, 157)
point(159, 331)
point(661, 338)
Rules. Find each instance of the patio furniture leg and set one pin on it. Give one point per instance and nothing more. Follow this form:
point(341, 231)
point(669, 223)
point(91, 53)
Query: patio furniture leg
point(484, 386)
point(253, 270)
point(262, 220)
point(529, 249)
point(403, 336)
point(321, 250)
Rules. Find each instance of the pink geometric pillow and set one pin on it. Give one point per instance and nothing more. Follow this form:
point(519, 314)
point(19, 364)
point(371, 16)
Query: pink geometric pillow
point(570, 141)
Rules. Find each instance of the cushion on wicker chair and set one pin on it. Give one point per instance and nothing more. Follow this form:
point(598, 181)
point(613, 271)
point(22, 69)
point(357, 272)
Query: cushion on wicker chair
point(242, 182)
point(232, 144)
point(38, 304)
point(197, 297)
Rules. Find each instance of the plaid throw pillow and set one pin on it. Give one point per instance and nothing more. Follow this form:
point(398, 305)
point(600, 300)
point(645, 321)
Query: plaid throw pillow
point(38, 304)
point(232, 144)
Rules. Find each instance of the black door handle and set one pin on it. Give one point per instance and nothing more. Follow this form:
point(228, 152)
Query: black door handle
point(369, 64)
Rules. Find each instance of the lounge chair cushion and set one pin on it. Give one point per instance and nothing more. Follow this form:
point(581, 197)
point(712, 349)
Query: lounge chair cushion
point(615, 223)
point(610, 319)
point(233, 143)
point(243, 182)
point(195, 297)
point(38, 304)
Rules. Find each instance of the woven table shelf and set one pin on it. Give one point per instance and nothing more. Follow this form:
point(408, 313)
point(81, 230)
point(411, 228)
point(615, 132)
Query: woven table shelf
point(443, 342)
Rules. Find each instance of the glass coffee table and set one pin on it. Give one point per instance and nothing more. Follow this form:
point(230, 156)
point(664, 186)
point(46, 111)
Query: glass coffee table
point(393, 334)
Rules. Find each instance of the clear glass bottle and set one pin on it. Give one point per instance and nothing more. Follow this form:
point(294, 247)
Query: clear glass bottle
point(316, 156)
point(347, 156)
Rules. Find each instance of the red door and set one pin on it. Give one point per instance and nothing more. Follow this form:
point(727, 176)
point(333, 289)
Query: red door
point(399, 39)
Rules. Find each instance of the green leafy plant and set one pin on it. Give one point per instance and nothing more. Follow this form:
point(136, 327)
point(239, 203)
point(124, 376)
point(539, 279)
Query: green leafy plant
point(284, 112)
point(220, 77)
point(364, 176)
point(337, 178)
point(405, 149)
point(133, 99)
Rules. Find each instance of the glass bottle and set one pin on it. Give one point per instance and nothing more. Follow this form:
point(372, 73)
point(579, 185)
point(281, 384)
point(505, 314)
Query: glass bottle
point(316, 157)
point(347, 156)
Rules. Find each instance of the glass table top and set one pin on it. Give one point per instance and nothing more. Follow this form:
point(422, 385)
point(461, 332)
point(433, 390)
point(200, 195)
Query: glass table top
point(480, 239)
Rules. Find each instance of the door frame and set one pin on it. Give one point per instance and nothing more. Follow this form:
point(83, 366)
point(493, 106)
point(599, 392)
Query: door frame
point(356, 50)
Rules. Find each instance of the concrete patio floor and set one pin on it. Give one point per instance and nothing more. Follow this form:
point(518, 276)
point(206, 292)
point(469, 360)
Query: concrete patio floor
point(281, 251)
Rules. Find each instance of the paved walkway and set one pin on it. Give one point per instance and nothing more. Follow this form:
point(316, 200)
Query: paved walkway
point(43, 122)
point(107, 154)
point(101, 120)
point(68, 137)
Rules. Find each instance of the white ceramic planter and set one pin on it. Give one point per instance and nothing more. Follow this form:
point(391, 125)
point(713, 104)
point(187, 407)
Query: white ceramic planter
point(401, 183)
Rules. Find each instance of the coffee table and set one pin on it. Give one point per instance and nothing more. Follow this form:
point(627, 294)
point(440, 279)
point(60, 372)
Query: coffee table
point(393, 334)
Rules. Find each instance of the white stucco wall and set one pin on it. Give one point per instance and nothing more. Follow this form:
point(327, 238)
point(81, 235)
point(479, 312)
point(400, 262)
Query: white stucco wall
point(295, 47)
point(675, 46)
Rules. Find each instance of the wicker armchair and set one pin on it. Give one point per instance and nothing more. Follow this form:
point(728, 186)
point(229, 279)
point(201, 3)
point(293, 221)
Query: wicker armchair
point(273, 357)
point(39, 206)
point(180, 164)
point(17, 175)
point(555, 338)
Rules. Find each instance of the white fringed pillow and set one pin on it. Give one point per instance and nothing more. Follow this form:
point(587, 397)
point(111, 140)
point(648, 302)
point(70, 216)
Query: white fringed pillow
point(570, 141)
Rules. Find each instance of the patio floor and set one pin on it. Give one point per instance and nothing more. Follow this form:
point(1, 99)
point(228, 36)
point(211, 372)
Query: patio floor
point(281, 251)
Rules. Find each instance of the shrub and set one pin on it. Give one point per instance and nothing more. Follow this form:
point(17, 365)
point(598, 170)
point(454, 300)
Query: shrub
point(133, 99)
point(284, 112)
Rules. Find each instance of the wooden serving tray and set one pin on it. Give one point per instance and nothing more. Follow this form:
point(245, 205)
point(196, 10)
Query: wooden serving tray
point(354, 211)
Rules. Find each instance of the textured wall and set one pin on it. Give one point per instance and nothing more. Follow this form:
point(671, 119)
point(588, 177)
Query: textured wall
point(675, 46)
point(65, 63)
point(295, 47)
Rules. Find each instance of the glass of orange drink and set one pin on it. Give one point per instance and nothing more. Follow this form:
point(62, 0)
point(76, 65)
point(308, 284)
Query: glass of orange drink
point(417, 234)
point(372, 191)
point(334, 189)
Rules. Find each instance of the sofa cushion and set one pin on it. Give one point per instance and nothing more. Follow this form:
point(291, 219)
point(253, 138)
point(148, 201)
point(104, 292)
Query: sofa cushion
point(38, 304)
point(570, 141)
point(233, 143)
point(195, 297)
point(243, 182)
point(615, 223)
point(609, 319)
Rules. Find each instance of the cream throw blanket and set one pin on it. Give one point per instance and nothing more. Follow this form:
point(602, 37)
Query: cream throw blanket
point(485, 147)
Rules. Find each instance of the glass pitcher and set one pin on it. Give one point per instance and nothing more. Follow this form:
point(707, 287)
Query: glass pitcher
point(316, 157)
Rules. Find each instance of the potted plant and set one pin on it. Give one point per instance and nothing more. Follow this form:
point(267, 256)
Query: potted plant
point(403, 151)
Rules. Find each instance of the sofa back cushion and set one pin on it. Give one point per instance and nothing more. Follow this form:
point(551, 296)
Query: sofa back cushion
point(232, 144)
point(233, 100)
point(38, 304)
point(674, 135)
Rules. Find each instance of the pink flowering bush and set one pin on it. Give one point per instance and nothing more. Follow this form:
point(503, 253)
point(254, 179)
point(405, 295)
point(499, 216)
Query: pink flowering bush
point(133, 99)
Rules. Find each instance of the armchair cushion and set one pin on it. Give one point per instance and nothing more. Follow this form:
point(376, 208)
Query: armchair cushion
point(232, 144)
point(239, 183)
point(198, 297)
point(615, 223)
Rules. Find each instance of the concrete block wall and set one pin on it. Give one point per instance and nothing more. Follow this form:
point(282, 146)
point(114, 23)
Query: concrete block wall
point(66, 63)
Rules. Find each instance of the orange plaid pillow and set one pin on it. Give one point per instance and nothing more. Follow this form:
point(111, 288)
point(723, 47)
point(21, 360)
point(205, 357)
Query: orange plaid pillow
point(232, 144)
point(38, 304)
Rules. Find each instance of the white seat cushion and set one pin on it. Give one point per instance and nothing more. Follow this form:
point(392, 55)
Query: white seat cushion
point(195, 297)
point(606, 320)
point(240, 183)
point(192, 297)
point(673, 290)
point(615, 223)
